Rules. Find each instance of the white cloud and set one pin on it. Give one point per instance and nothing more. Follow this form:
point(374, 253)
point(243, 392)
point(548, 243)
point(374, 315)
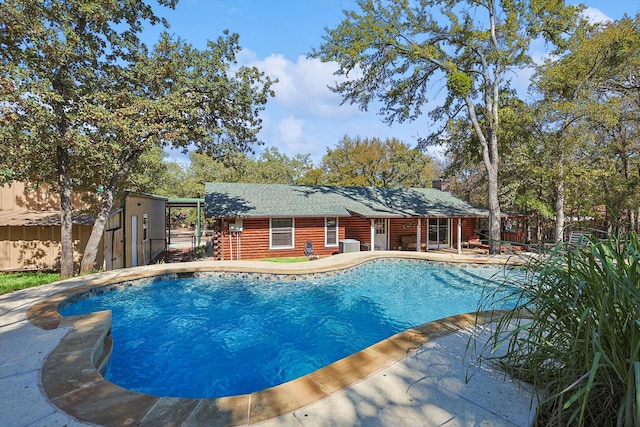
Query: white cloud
point(290, 129)
point(305, 117)
point(303, 86)
point(595, 16)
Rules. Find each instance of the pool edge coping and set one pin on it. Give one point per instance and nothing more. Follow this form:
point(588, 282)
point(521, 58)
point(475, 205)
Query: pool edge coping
point(71, 380)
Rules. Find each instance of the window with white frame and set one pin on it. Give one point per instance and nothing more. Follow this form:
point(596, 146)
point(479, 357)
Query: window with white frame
point(331, 231)
point(281, 233)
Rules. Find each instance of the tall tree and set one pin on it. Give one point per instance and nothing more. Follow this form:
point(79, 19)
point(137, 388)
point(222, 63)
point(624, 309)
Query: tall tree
point(372, 162)
point(83, 98)
point(588, 121)
point(615, 52)
point(398, 52)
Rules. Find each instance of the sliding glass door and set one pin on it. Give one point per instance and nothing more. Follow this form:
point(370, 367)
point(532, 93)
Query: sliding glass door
point(439, 235)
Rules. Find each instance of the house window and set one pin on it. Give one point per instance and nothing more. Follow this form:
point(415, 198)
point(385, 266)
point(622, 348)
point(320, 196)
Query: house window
point(331, 231)
point(281, 233)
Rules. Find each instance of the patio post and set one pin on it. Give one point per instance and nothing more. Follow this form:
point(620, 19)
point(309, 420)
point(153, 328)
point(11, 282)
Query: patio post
point(372, 233)
point(198, 229)
point(169, 227)
point(427, 235)
point(419, 237)
point(459, 236)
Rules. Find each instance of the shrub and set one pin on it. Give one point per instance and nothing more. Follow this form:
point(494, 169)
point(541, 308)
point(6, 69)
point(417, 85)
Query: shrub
point(579, 342)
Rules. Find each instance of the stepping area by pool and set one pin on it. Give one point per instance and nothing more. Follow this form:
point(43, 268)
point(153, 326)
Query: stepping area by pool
point(424, 376)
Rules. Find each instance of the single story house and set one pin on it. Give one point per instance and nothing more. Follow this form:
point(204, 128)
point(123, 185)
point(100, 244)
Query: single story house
point(254, 221)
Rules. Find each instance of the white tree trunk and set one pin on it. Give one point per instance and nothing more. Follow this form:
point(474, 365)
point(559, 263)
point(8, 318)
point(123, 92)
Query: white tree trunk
point(494, 214)
point(560, 198)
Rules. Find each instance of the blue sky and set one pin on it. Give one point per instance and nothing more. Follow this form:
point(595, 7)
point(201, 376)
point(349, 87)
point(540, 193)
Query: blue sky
point(305, 117)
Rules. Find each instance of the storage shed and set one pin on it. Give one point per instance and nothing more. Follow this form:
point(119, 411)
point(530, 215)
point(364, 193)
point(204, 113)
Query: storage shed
point(30, 228)
point(136, 233)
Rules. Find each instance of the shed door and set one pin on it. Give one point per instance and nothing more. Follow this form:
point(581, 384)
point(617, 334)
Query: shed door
point(113, 249)
point(380, 239)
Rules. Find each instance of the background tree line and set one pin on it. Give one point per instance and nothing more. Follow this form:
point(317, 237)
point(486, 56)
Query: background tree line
point(352, 162)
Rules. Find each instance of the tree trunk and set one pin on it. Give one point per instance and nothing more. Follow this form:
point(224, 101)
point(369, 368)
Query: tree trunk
point(489, 144)
point(492, 164)
point(494, 212)
point(539, 225)
point(560, 197)
point(91, 249)
point(66, 212)
point(629, 210)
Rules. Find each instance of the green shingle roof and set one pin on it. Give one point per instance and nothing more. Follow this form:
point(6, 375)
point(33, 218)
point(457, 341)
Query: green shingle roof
point(281, 200)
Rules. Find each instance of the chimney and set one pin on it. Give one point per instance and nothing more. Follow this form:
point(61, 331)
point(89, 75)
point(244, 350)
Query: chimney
point(440, 184)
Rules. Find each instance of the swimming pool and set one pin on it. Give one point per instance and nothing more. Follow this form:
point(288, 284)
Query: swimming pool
point(223, 335)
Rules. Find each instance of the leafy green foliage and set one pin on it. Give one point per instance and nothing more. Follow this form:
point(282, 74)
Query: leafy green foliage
point(83, 99)
point(459, 84)
point(573, 150)
point(579, 341)
point(372, 162)
point(270, 167)
point(585, 124)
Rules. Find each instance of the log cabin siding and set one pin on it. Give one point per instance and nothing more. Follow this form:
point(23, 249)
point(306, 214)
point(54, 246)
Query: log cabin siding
point(404, 227)
point(360, 229)
point(253, 241)
point(468, 229)
point(357, 228)
point(361, 211)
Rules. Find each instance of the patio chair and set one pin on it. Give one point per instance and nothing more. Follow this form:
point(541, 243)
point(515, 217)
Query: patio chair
point(308, 250)
point(578, 239)
point(409, 242)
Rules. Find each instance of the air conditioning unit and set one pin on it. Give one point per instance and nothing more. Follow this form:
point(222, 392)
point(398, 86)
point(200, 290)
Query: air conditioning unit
point(349, 245)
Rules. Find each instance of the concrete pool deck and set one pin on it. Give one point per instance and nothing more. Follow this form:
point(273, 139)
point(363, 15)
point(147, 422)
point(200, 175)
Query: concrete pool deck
point(420, 377)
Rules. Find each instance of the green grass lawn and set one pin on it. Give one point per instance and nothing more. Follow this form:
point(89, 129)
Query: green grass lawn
point(10, 282)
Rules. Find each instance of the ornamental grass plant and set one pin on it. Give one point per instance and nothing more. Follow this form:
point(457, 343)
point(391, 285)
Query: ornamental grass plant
point(575, 333)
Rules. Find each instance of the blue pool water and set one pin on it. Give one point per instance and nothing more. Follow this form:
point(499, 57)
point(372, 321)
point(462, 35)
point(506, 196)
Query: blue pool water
point(213, 337)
